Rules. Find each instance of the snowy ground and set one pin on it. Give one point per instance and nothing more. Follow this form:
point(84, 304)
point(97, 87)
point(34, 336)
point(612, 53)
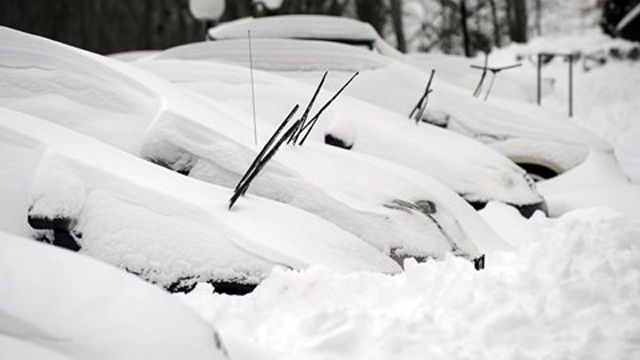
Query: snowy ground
point(569, 289)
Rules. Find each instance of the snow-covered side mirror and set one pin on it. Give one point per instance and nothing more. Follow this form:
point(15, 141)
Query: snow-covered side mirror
point(207, 10)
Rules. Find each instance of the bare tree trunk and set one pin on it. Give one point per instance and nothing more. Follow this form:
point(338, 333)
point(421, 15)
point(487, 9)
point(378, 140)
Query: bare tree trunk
point(235, 9)
point(517, 11)
point(337, 8)
point(497, 38)
point(465, 30)
point(539, 17)
point(373, 12)
point(396, 16)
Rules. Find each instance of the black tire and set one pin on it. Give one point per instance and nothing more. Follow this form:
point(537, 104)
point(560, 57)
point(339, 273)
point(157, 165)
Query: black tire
point(538, 172)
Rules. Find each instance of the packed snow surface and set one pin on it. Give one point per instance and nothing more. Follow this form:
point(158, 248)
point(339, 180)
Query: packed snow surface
point(56, 304)
point(569, 289)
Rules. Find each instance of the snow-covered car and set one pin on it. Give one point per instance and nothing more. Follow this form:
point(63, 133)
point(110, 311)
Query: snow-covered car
point(541, 142)
point(171, 230)
point(305, 27)
point(56, 304)
point(474, 171)
point(403, 212)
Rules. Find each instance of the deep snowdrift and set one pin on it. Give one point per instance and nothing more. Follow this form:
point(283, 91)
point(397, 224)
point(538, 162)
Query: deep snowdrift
point(569, 290)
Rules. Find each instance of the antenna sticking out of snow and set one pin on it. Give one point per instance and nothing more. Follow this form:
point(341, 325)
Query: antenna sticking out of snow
point(253, 91)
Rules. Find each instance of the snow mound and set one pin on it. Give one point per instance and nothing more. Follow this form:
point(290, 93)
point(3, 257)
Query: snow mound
point(55, 302)
point(570, 289)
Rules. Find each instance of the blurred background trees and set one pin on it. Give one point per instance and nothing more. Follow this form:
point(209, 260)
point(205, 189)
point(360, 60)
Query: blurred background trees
point(449, 26)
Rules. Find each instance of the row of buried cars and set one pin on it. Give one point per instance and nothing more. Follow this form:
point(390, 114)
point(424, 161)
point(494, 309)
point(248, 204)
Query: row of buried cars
point(133, 162)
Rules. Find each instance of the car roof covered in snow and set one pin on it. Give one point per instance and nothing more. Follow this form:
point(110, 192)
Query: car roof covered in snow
point(281, 54)
point(317, 27)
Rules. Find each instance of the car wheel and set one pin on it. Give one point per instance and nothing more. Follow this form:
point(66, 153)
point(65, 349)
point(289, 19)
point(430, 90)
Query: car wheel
point(538, 172)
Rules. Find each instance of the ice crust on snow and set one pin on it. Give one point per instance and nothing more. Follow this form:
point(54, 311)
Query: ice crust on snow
point(191, 134)
point(491, 122)
point(56, 304)
point(569, 289)
point(115, 212)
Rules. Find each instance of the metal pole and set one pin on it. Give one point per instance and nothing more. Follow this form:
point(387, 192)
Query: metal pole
point(570, 85)
point(539, 79)
point(493, 78)
point(253, 92)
